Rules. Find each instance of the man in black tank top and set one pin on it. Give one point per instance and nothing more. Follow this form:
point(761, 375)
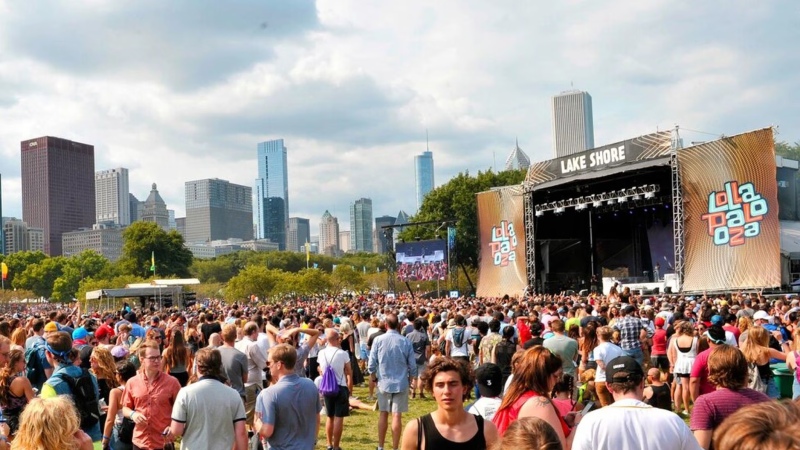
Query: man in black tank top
point(450, 381)
point(657, 393)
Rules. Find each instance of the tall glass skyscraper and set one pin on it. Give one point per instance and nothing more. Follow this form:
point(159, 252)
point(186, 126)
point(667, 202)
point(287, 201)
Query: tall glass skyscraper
point(573, 127)
point(423, 175)
point(271, 203)
point(361, 225)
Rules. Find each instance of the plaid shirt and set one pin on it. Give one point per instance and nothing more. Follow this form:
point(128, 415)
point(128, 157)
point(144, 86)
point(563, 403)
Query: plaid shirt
point(630, 328)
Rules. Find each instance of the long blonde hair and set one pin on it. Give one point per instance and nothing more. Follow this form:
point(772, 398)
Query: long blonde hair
point(47, 424)
point(106, 367)
point(756, 347)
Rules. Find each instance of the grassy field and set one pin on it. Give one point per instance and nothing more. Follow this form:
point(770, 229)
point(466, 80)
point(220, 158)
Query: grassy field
point(361, 428)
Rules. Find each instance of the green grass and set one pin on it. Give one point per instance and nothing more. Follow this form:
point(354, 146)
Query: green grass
point(361, 428)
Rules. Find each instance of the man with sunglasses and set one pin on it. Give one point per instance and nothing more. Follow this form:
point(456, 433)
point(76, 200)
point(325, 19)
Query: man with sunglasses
point(148, 400)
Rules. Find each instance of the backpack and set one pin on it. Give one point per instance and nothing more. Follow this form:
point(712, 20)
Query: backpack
point(329, 386)
point(84, 397)
point(34, 361)
point(458, 336)
point(755, 382)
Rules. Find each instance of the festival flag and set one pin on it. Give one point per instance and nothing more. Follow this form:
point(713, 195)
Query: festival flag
point(5, 270)
point(308, 252)
point(153, 262)
point(316, 266)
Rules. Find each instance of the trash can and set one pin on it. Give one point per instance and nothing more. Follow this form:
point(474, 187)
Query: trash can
point(783, 379)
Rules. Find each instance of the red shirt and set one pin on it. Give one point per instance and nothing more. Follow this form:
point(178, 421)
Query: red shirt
point(153, 399)
point(734, 330)
point(659, 342)
point(700, 371)
point(524, 331)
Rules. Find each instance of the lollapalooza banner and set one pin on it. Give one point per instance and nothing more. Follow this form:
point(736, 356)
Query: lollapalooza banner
point(732, 232)
point(502, 239)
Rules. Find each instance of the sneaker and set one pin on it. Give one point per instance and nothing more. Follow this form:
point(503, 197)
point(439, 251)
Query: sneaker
point(414, 395)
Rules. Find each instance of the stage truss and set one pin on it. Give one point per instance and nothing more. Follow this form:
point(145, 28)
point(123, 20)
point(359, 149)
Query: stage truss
point(677, 210)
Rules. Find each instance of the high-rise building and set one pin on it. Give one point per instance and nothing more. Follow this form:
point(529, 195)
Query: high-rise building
point(329, 234)
point(344, 241)
point(573, 129)
point(135, 206)
point(517, 160)
point(217, 209)
point(57, 187)
point(154, 209)
point(112, 196)
point(180, 225)
point(103, 238)
point(402, 219)
point(361, 225)
point(381, 233)
point(299, 234)
point(271, 204)
point(423, 175)
point(171, 223)
point(19, 237)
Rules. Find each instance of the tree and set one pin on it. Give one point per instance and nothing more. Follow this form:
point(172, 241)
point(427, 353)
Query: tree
point(456, 200)
point(41, 277)
point(254, 280)
point(18, 262)
point(791, 151)
point(313, 281)
point(345, 277)
point(143, 239)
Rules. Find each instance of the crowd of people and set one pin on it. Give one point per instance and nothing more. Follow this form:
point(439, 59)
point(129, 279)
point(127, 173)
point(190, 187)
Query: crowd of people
point(548, 372)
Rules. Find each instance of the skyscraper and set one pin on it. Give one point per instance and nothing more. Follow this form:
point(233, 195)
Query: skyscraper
point(329, 234)
point(299, 234)
point(271, 204)
point(112, 202)
point(380, 236)
point(361, 225)
point(57, 187)
point(217, 209)
point(18, 237)
point(517, 159)
point(154, 209)
point(423, 175)
point(573, 130)
point(344, 241)
point(134, 207)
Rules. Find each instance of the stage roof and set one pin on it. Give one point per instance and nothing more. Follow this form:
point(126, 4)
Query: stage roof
point(790, 238)
point(147, 291)
point(603, 173)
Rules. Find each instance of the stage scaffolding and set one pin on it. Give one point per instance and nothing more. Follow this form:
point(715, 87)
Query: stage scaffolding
point(677, 209)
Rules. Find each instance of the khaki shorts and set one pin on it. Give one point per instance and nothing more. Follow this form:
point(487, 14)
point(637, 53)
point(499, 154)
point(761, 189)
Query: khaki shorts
point(251, 394)
point(393, 402)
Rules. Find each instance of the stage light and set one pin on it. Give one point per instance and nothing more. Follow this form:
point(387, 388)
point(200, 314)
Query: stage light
point(622, 200)
point(611, 201)
point(597, 204)
point(635, 197)
point(539, 213)
point(559, 210)
point(630, 211)
point(580, 206)
point(650, 195)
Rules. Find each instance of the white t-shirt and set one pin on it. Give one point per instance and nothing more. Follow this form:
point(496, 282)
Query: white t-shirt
point(458, 351)
point(337, 359)
point(630, 424)
point(485, 407)
point(605, 352)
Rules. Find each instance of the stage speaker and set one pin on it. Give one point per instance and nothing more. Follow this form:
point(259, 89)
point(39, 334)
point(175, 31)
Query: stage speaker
point(656, 291)
point(668, 289)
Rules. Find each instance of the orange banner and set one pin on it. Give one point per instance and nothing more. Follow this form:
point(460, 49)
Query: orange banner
point(732, 232)
point(502, 237)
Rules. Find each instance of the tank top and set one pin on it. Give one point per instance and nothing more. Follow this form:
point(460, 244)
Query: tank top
point(434, 440)
point(661, 397)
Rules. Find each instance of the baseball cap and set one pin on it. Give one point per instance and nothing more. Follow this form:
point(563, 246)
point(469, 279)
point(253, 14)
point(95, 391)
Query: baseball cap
point(51, 326)
point(490, 380)
point(103, 332)
point(761, 315)
point(717, 320)
point(659, 321)
point(119, 351)
point(80, 333)
point(716, 334)
point(624, 368)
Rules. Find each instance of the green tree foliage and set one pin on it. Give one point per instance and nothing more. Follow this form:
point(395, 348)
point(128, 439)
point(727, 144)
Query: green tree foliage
point(41, 277)
point(255, 280)
point(791, 151)
point(18, 262)
point(456, 200)
point(141, 239)
point(347, 278)
point(313, 281)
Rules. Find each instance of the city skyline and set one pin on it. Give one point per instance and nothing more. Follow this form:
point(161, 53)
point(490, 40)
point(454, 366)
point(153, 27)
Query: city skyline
point(573, 123)
point(352, 88)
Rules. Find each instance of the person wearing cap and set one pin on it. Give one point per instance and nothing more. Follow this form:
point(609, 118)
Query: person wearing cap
point(103, 337)
point(728, 372)
point(489, 378)
point(450, 426)
point(631, 333)
point(730, 338)
point(629, 423)
point(699, 383)
point(80, 337)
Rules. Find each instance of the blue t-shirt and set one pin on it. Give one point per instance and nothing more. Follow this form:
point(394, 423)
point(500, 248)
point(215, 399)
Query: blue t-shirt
point(291, 405)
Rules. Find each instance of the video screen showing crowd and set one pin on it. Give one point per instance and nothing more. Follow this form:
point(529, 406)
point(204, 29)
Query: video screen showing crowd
point(422, 261)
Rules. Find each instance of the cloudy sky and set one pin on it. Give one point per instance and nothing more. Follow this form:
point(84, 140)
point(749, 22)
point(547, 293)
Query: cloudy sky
point(183, 90)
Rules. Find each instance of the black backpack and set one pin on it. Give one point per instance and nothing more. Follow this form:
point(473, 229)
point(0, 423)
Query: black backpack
point(84, 397)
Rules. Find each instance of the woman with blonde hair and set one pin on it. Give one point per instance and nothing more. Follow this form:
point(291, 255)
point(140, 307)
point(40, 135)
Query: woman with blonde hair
point(18, 338)
point(349, 346)
point(51, 424)
point(744, 324)
point(529, 394)
point(103, 368)
point(529, 433)
point(685, 350)
point(758, 353)
point(15, 391)
point(792, 362)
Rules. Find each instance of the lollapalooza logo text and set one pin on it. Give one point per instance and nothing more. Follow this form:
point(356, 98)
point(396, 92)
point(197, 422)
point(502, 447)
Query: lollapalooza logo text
point(734, 213)
point(504, 244)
